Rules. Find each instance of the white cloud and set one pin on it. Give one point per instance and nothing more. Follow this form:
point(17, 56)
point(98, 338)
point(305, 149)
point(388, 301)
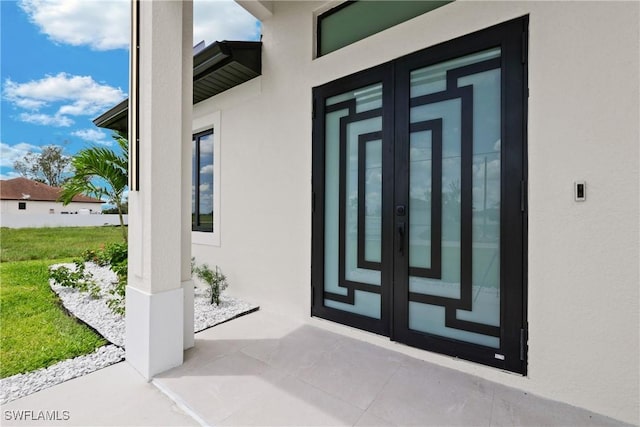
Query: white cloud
point(29, 104)
point(11, 153)
point(206, 203)
point(104, 25)
point(93, 135)
point(101, 25)
point(9, 175)
point(46, 119)
point(206, 144)
point(492, 168)
point(206, 169)
point(82, 94)
point(72, 95)
point(216, 20)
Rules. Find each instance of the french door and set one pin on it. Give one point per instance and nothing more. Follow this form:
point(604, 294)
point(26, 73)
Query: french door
point(418, 193)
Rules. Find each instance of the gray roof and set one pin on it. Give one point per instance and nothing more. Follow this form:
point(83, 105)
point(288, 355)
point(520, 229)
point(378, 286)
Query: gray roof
point(216, 68)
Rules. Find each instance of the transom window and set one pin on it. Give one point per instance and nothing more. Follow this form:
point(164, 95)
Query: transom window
point(355, 20)
point(202, 201)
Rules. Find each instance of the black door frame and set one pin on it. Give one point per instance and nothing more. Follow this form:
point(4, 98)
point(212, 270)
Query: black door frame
point(511, 37)
point(382, 73)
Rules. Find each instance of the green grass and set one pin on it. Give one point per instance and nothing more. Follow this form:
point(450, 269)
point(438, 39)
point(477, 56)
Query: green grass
point(35, 331)
point(22, 244)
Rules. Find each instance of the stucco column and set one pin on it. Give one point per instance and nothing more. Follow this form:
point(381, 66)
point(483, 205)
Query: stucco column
point(187, 164)
point(159, 240)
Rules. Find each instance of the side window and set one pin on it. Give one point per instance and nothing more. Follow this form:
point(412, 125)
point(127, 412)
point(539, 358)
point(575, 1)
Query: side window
point(22, 206)
point(202, 187)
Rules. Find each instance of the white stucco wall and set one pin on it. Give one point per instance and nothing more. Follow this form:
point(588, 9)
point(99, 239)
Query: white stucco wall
point(12, 220)
point(41, 207)
point(583, 111)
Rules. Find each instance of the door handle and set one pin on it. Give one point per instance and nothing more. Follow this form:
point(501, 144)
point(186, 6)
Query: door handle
point(401, 229)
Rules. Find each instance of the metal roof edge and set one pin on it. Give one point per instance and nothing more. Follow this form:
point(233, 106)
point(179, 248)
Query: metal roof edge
point(112, 115)
point(205, 62)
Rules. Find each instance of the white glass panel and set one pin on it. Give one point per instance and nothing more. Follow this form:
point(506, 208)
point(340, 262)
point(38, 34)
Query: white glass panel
point(420, 146)
point(365, 303)
point(373, 202)
point(352, 272)
point(450, 113)
point(367, 98)
point(332, 202)
point(485, 200)
point(429, 318)
point(432, 79)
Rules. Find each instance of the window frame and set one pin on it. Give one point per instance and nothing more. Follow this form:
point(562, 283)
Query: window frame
point(204, 123)
point(195, 211)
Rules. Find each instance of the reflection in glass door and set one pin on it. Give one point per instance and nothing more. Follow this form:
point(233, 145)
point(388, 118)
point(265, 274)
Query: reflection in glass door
point(454, 246)
point(418, 213)
point(352, 157)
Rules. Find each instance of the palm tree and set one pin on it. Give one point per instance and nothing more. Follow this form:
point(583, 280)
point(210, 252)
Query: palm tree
point(111, 170)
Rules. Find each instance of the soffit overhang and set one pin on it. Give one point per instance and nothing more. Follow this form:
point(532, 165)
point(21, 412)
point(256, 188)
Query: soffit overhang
point(217, 68)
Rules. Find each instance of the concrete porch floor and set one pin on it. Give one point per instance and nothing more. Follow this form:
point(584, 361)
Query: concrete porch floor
point(262, 369)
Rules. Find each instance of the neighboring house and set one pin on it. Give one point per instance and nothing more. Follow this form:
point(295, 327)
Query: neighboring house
point(24, 196)
point(464, 182)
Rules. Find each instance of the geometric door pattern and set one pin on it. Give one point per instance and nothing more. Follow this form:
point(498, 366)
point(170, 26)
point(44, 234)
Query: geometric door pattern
point(418, 219)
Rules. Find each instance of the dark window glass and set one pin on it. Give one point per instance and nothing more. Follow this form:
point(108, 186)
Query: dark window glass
point(202, 182)
point(22, 205)
point(355, 20)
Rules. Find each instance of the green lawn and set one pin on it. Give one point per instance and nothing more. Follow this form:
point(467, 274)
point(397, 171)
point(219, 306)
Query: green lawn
point(35, 331)
point(22, 244)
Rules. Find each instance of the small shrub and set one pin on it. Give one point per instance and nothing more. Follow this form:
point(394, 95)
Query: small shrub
point(116, 253)
point(113, 255)
point(91, 255)
point(215, 280)
point(76, 278)
point(116, 303)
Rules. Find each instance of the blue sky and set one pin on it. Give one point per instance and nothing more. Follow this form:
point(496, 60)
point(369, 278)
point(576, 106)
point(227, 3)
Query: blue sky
point(65, 62)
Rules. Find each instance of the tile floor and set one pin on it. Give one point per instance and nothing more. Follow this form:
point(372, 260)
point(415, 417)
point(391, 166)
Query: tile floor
point(114, 396)
point(263, 370)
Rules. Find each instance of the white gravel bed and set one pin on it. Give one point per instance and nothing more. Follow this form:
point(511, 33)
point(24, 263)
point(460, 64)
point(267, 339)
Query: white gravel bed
point(207, 315)
point(95, 313)
point(17, 386)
